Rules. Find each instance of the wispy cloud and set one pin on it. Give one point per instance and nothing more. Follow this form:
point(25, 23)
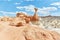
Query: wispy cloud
point(56, 4)
point(43, 10)
point(46, 10)
point(26, 8)
point(4, 13)
point(17, 3)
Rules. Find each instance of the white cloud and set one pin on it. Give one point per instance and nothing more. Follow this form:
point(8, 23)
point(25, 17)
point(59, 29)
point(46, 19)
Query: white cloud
point(5, 13)
point(56, 4)
point(46, 10)
point(17, 3)
point(20, 7)
point(43, 10)
point(26, 8)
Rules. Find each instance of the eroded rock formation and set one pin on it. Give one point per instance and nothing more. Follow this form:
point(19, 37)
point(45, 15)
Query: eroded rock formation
point(26, 32)
point(27, 18)
point(35, 16)
point(18, 28)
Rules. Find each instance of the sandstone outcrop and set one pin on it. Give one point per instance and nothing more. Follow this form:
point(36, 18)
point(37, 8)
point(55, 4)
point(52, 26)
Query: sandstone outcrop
point(19, 28)
point(26, 32)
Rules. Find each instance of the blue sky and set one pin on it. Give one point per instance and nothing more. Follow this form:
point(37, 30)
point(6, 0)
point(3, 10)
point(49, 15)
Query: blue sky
point(45, 7)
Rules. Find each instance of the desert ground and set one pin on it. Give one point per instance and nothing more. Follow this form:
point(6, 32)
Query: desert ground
point(24, 27)
point(21, 29)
